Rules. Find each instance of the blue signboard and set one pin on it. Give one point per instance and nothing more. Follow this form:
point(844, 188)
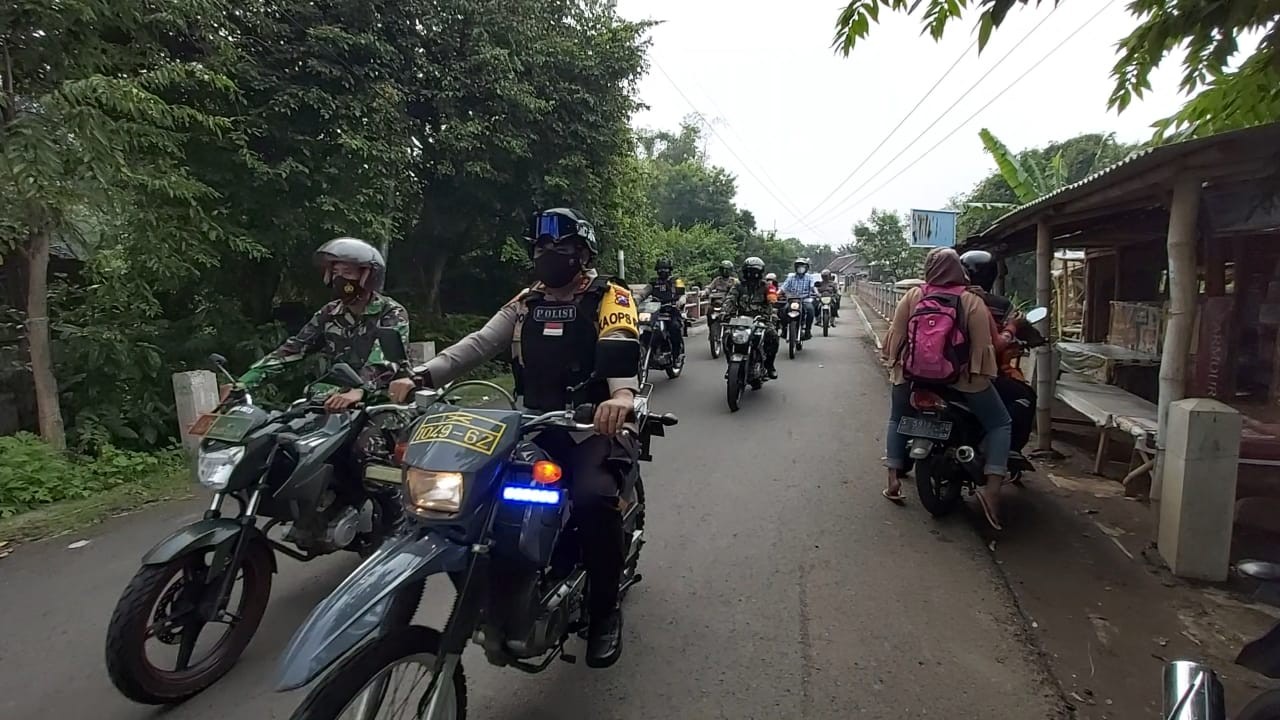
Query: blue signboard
point(933, 228)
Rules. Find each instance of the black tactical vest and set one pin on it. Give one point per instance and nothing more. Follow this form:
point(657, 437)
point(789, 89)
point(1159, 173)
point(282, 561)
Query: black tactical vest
point(558, 350)
point(664, 291)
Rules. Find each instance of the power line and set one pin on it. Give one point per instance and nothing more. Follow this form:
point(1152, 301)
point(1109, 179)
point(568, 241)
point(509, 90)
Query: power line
point(727, 146)
point(894, 131)
point(836, 210)
point(997, 96)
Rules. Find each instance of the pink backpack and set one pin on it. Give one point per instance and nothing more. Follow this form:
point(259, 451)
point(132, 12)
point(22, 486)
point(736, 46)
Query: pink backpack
point(937, 347)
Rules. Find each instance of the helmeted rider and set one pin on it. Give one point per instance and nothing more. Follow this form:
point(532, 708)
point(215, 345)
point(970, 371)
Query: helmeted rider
point(828, 287)
point(724, 279)
point(750, 298)
point(669, 290)
point(345, 329)
point(1019, 397)
point(771, 279)
point(802, 285)
point(552, 330)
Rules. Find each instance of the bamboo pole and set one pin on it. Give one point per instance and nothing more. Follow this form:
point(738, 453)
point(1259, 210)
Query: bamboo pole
point(1045, 372)
point(1183, 287)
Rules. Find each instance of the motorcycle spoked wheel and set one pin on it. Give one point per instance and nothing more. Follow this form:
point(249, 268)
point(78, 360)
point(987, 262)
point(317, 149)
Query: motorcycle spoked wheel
point(371, 673)
point(630, 573)
point(150, 607)
point(939, 490)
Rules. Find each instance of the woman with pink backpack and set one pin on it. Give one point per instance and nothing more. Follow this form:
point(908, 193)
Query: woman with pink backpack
point(942, 334)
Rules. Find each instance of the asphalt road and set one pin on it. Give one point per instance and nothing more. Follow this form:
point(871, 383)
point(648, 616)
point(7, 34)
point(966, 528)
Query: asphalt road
point(778, 584)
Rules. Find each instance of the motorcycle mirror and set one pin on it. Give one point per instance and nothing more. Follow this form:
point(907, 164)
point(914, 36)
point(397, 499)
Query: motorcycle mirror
point(344, 375)
point(217, 360)
point(617, 357)
point(392, 345)
point(1037, 314)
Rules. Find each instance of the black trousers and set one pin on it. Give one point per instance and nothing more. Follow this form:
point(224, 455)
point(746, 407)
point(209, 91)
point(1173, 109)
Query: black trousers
point(1020, 400)
point(596, 471)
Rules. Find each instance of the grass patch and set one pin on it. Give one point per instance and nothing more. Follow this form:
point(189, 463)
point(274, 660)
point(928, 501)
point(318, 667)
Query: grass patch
point(67, 515)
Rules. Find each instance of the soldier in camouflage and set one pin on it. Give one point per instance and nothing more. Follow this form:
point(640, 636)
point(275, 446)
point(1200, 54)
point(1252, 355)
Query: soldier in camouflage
point(345, 330)
point(750, 298)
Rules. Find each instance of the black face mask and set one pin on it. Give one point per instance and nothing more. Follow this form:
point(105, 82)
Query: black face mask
point(555, 270)
point(664, 274)
point(724, 272)
point(346, 289)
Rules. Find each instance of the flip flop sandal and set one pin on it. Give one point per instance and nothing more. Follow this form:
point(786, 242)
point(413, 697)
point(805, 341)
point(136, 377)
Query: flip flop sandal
point(898, 499)
point(986, 510)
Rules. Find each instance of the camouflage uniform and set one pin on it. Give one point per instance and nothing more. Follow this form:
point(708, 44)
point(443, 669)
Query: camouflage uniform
point(720, 284)
point(751, 301)
point(340, 336)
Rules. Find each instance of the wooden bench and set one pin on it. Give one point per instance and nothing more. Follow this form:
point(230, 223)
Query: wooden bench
point(1111, 408)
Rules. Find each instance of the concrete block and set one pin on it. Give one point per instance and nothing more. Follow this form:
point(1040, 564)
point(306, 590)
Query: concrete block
point(1207, 429)
point(1198, 498)
point(195, 393)
point(420, 352)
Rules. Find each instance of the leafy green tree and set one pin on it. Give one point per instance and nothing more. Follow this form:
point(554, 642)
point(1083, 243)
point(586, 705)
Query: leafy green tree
point(89, 145)
point(685, 189)
point(881, 240)
point(1226, 94)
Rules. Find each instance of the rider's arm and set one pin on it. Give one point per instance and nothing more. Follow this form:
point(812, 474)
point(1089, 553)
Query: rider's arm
point(471, 351)
point(307, 340)
point(617, 321)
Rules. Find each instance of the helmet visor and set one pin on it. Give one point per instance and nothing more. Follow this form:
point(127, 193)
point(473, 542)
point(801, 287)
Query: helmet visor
point(556, 226)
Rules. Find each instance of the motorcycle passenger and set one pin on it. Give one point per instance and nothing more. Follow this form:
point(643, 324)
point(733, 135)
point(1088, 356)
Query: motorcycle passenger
point(800, 285)
point(724, 280)
point(1019, 397)
point(771, 279)
point(669, 291)
point(942, 269)
point(750, 298)
point(829, 288)
point(552, 330)
point(345, 330)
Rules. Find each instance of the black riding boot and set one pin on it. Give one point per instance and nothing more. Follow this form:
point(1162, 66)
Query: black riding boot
point(602, 549)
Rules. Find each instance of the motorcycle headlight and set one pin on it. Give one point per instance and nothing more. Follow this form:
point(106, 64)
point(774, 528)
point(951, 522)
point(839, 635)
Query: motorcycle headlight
point(741, 336)
point(432, 491)
point(644, 317)
point(214, 467)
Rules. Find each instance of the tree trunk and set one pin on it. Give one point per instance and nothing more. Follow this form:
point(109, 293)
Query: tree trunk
point(432, 276)
point(1184, 284)
point(49, 412)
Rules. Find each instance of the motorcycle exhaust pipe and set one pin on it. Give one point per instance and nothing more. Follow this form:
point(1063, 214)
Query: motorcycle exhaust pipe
point(965, 454)
point(1192, 692)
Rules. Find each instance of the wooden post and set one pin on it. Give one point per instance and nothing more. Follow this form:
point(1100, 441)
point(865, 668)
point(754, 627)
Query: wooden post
point(1046, 374)
point(1183, 288)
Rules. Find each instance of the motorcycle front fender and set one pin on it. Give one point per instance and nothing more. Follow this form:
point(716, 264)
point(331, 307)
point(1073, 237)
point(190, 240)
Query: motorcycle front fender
point(737, 358)
point(1263, 655)
point(355, 610)
point(199, 536)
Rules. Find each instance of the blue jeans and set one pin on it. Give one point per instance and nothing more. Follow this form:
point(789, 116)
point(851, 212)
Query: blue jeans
point(986, 406)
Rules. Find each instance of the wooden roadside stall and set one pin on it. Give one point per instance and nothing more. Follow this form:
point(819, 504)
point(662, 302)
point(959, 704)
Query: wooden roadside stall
point(1181, 248)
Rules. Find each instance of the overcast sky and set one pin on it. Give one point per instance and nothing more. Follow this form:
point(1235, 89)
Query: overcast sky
point(787, 109)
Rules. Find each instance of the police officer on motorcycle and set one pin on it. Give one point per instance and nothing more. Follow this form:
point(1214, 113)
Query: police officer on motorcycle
point(1019, 397)
point(554, 330)
point(724, 281)
point(669, 290)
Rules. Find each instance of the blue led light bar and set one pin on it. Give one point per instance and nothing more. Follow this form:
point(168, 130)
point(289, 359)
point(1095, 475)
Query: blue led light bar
point(539, 496)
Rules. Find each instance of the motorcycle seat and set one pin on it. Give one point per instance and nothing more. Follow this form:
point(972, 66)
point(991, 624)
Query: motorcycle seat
point(1260, 570)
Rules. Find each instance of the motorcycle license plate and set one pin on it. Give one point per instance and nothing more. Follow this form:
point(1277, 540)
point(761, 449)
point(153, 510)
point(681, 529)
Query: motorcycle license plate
point(227, 428)
point(925, 428)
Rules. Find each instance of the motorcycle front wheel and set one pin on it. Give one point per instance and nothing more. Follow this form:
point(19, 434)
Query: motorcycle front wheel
point(793, 339)
point(644, 364)
point(826, 325)
point(383, 679)
point(713, 337)
point(939, 493)
point(734, 387)
point(1264, 707)
point(161, 604)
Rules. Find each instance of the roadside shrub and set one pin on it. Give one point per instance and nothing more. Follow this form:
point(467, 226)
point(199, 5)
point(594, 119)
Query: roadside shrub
point(34, 474)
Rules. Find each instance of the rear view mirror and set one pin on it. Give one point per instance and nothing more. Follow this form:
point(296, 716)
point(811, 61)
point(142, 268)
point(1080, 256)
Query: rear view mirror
point(1037, 314)
point(343, 375)
point(617, 357)
point(392, 345)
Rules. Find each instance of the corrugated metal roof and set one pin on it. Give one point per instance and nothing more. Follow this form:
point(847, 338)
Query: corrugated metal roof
point(1135, 163)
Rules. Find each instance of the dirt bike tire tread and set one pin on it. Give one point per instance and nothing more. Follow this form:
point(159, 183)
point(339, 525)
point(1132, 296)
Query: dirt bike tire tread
point(937, 506)
point(341, 684)
point(139, 597)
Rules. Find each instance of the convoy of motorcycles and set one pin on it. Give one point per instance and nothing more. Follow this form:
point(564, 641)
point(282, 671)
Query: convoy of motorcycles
point(436, 487)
